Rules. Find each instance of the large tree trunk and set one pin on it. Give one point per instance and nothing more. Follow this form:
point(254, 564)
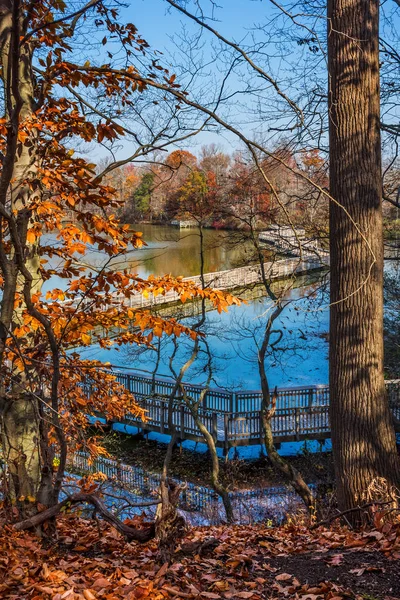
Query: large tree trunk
point(362, 429)
point(19, 408)
point(20, 447)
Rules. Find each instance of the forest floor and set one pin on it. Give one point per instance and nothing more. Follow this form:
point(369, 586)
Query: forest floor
point(91, 561)
point(196, 466)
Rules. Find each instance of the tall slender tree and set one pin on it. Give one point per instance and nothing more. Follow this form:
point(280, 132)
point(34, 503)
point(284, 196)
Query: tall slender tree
point(48, 107)
point(362, 429)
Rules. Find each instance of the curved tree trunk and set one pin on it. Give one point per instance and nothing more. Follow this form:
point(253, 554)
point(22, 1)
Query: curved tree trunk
point(170, 526)
point(362, 429)
point(290, 473)
point(268, 406)
point(215, 480)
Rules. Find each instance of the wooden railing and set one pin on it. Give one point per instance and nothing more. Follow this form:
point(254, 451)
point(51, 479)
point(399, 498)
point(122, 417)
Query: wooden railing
point(221, 400)
point(195, 497)
point(234, 418)
point(233, 278)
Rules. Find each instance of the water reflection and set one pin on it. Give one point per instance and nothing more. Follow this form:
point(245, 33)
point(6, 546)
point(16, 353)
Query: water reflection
point(301, 357)
point(177, 251)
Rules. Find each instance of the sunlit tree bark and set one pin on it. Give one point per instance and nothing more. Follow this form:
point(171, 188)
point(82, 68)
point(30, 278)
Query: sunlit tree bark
point(362, 430)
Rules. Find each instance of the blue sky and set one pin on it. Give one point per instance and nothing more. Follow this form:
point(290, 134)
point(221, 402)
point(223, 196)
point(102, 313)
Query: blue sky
point(236, 19)
point(156, 21)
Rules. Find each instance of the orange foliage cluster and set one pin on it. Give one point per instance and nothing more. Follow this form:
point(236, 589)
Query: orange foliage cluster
point(252, 562)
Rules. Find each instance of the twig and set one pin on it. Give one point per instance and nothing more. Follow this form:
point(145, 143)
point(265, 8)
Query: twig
point(349, 510)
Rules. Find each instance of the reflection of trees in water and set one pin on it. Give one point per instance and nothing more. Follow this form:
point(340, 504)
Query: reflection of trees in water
point(156, 360)
point(289, 339)
point(232, 339)
point(176, 251)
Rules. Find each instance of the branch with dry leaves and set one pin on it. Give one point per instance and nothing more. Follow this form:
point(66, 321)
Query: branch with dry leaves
point(130, 533)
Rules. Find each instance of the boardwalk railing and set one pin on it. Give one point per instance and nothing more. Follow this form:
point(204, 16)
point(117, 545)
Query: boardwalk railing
point(221, 400)
point(234, 278)
point(234, 418)
point(249, 505)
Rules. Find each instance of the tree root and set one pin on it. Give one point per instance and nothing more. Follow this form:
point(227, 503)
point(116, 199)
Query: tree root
point(200, 548)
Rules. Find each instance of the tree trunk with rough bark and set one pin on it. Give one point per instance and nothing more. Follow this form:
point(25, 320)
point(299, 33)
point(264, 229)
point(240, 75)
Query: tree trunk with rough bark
point(362, 429)
point(215, 479)
point(19, 407)
point(22, 408)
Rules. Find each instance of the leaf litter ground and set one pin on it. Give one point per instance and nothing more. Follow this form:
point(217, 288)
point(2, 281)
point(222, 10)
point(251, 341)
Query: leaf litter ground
point(90, 560)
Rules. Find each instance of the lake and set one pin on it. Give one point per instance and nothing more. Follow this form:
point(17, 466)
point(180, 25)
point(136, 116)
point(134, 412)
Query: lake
point(300, 358)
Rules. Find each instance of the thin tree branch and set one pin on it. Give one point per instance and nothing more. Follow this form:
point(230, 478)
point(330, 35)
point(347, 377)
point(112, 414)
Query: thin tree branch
point(75, 16)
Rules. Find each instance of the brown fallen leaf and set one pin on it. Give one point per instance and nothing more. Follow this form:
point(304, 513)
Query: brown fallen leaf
point(176, 592)
point(162, 571)
point(101, 582)
point(284, 577)
point(334, 560)
point(358, 572)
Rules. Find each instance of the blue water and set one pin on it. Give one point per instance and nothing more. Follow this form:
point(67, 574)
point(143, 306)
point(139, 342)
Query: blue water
point(300, 357)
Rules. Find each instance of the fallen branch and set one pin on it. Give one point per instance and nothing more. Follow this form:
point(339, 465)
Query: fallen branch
point(348, 511)
point(130, 533)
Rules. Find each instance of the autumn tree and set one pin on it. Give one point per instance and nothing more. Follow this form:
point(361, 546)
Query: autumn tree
point(249, 196)
point(48, 392)
point(213, 160)
point(197, 198)
point(172, 175)
point(363, 437)
point(138, 205)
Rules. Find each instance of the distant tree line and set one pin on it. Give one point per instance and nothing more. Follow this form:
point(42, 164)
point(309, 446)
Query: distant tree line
point(216, 187)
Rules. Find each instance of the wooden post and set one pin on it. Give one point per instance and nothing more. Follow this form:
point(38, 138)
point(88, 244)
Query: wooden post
point(297, 422)
point(182, 427)
point(162, 421)
point(310, 397)
point(231, 405)
point(226, 432)
point(215, 427)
